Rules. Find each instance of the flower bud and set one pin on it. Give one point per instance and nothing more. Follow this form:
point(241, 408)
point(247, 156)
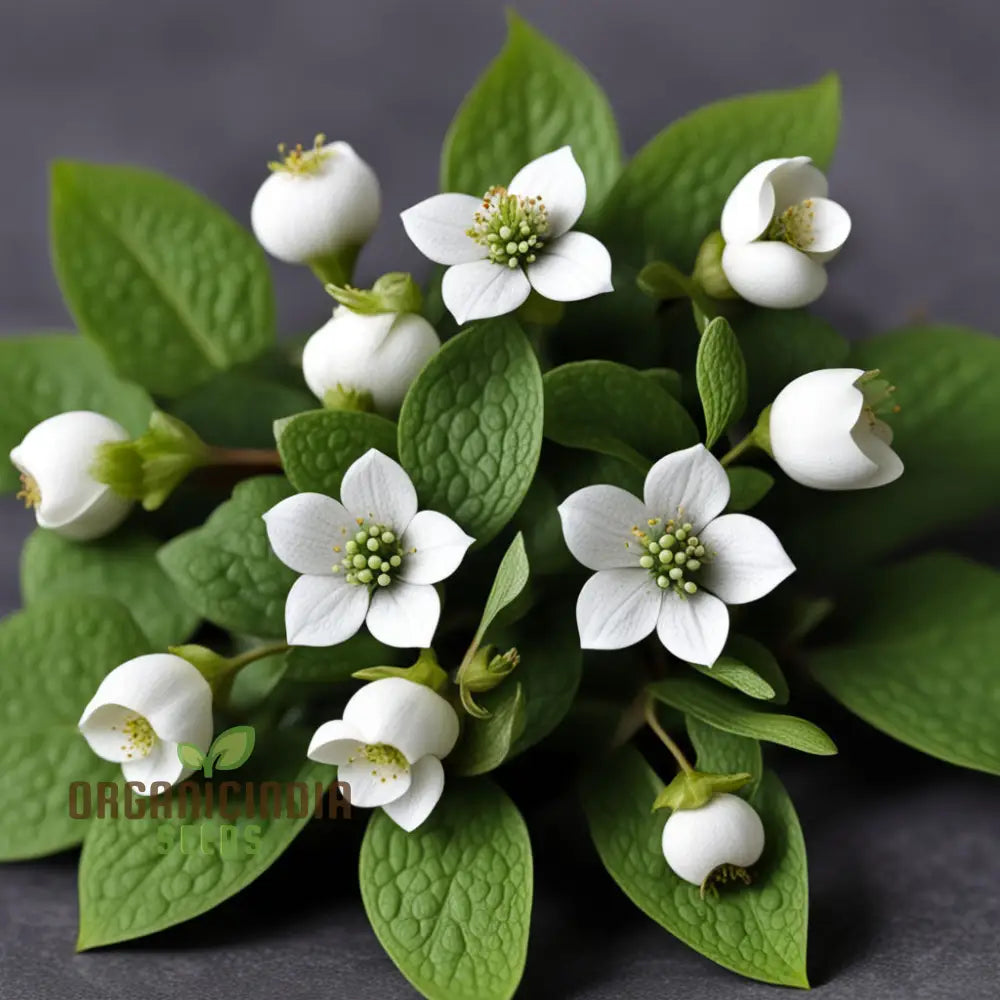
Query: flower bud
point(725, 831)
point(55, 460)
point(825, 434)
point(321, 203)
point(375, 355)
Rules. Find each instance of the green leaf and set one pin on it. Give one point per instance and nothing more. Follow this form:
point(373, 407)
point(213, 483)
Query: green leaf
point(238, 409)
point(232, 748)
point(52, 659)
point(226, 570)
point(729, 671)
point(451, 901)
point(169, 285)
point(718, 751)
point(532, 99)
point(731, 713)
point(779, 345)
point(916, 657)
point(758, 930)
point(332, 664)
point(122, 566)
point(948, 435)
point(511, 579)
point(318, 447)
point(470, 429)
point(722, 379)
point(749, 667)
point(583, 409)
point(487, 742)
point(135, 879)
point(670, 195)
point(43, 375)
point(747, 487)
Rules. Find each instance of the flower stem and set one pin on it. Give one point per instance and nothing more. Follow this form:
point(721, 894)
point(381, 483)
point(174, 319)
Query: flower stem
point(237, 663)
point(243, 456)
point(730, 456)
point(675, 750)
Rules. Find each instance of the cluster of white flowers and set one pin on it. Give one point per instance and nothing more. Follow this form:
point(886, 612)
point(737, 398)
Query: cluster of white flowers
point(670, 562)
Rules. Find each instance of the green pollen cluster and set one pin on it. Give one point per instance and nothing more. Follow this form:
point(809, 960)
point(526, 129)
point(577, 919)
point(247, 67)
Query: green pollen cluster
point(672, 556)
point(382, 755)
point(795, 225)
point(510, 226)
point(371, 557)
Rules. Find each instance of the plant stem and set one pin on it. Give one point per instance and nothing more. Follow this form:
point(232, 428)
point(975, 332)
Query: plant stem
point(748, 442)
point(675, 750)
point(243, 456)
point(237, 663)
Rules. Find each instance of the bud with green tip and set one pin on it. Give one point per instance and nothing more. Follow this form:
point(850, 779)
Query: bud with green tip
point(149, 468)
point(485, 671)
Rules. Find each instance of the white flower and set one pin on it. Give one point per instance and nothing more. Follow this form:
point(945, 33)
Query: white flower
point(825, 434)
point(668, 561)
point(380, 355)
point(388, 748)
point(371, 558)
point(316, 203)
point(513, 239)
point(724, 831)
point(142, 710)
point(780, 229)
point(55, 459)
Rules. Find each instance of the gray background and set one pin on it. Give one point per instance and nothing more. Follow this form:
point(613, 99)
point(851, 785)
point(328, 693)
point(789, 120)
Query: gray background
point(905, 875)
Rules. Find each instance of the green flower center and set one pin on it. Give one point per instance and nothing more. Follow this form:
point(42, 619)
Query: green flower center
point(371, 558)
point(510, 226)
point(389, 762)
point(795, 225)
point(298, 160)
point(878, 393)
point(671, 553)
point(138, 735)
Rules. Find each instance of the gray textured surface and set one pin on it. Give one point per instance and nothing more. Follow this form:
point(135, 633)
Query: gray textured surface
point(905, 880)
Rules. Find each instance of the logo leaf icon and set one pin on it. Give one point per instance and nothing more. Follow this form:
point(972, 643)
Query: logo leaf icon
point(230, 749)
point(190, 756)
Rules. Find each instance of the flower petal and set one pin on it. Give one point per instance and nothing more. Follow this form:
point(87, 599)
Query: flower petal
point(406, 715)
point(304, 531)
point(694, 628)
point(691, 484)
point(433, 547)
point(334, 742)
point(404, 614)
point(750, 206)
point(747, 560)
point(795, 181)
point(167, 690)
point(324, 610)
point(419, 800)
point(830, 225)
point(372, 784)
point(483, 289)
point(875, 440)
point(818, 436)
point(557, 179)
point(58, 454)
point(617, 608)
point(439, 228)
point(378, 489)
point(575, 266)
point(773, 275)
point(597, 523)
point(161, 764)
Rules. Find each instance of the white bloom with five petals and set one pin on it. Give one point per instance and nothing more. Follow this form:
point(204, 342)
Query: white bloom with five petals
point(668, 562)
point(512, 240)
point(780, 229)
point(55, 461)
point(379, 355)
point(825, 434)
point(370, 558)
point(140, 713)
point(726, 830)
point(388, 748)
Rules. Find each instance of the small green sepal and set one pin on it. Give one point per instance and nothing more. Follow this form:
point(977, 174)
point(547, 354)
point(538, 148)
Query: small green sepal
point(708, 273)
point(692, 789)
point(395, 292)
point(355, 400)
point(426, 671)
point(541, 311)
point(213, 667)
